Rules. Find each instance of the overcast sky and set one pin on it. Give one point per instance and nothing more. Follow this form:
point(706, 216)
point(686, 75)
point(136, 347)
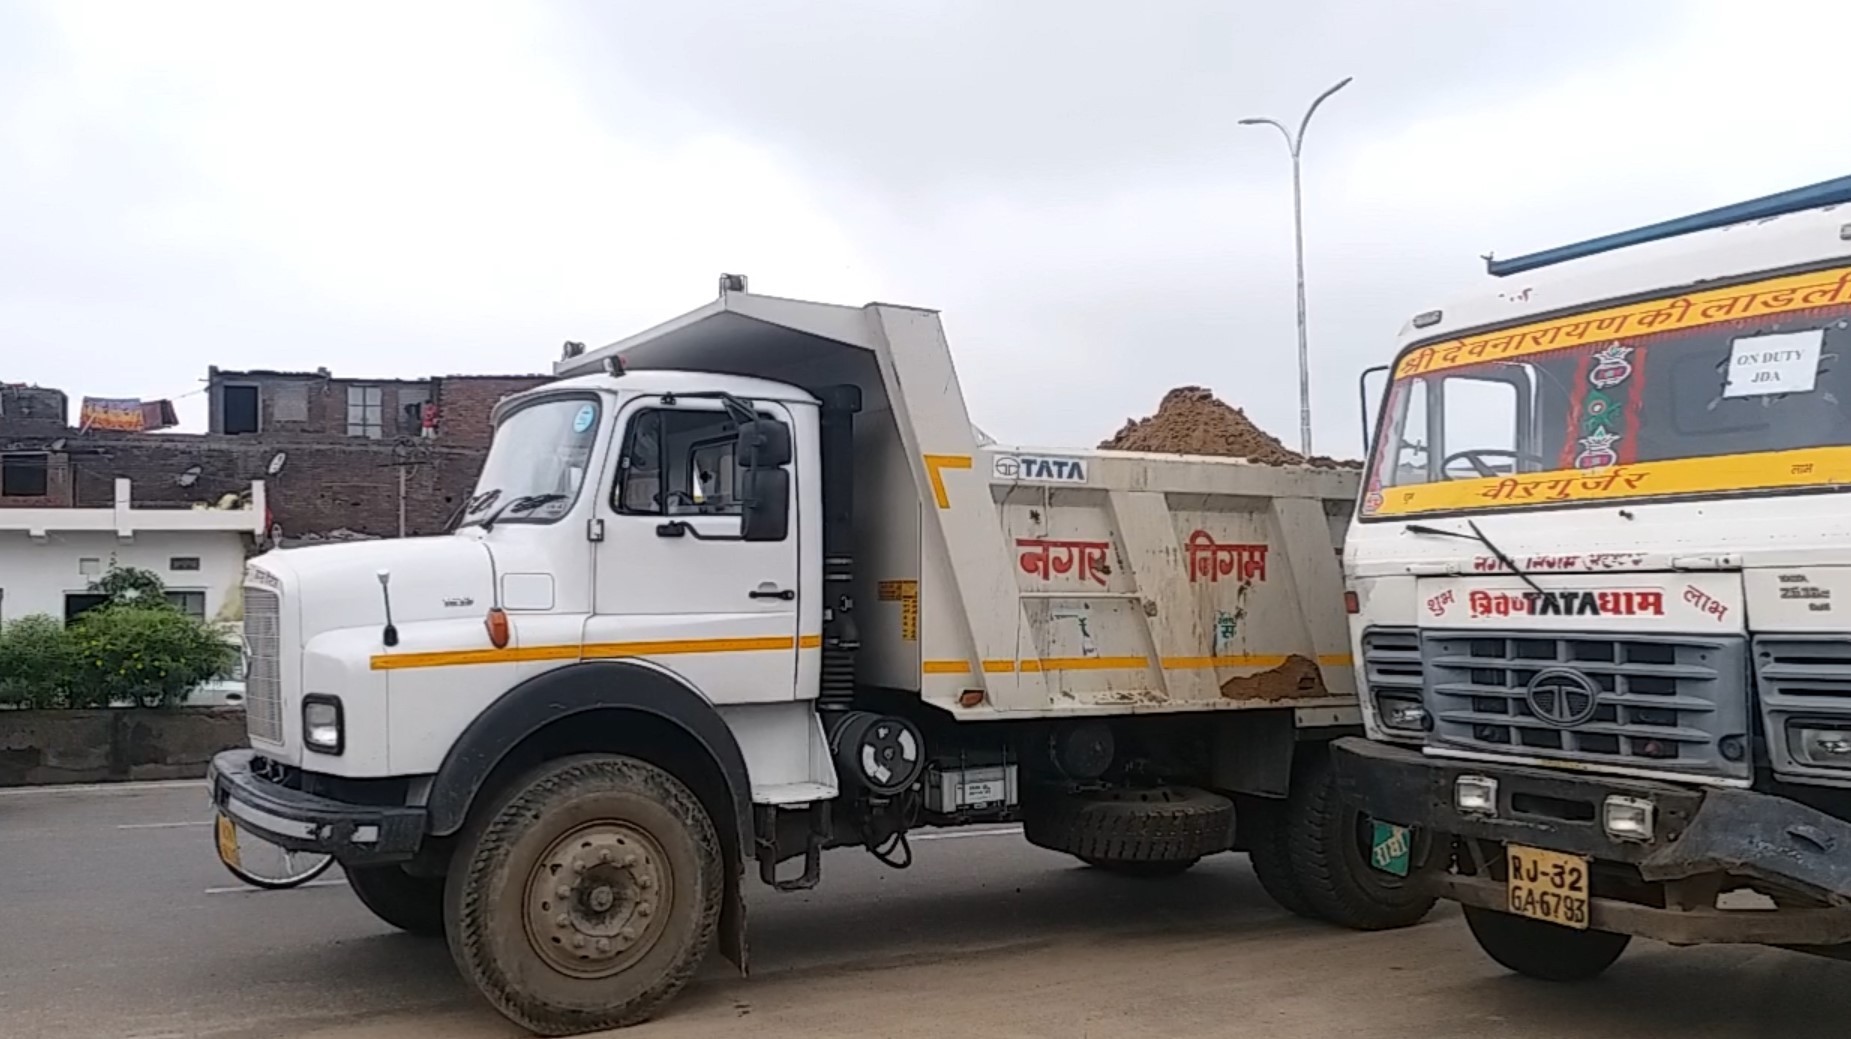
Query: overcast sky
point(403, 189)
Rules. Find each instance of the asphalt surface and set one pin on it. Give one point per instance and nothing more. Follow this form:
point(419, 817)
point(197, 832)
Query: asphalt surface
point(117, 922)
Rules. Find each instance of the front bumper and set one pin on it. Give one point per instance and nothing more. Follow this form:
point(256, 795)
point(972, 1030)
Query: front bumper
point(1698, 833)
point(300, 821)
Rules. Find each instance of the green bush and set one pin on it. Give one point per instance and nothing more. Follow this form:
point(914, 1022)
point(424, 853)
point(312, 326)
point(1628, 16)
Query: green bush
point(150, 654)
point(37, 662)
point(131, 586)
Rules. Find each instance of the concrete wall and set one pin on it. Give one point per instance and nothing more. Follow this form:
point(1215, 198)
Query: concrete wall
point(35, 574)
point(38, 747)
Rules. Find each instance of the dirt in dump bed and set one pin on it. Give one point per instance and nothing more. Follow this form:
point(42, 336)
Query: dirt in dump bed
point(1192, 421)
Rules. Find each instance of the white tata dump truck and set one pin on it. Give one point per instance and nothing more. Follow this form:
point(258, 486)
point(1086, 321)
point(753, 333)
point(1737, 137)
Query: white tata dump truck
point(1603, 567)
point(748, 586)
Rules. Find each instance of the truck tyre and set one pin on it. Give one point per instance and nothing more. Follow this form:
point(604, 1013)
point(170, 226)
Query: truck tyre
point(1142, 870)
point(411, 904)
point(1326, 849)
point(586, 896)
point(1268, 850)
point(1149, 831)
point(1543, 950)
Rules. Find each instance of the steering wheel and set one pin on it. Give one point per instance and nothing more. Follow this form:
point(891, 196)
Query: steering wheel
point(1476, 456)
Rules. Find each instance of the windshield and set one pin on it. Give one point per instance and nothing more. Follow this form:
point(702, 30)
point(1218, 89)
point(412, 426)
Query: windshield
point(1728, 391)
point(536, 463)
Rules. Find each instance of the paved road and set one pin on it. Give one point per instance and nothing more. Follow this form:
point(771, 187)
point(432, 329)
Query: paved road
point(116, 922)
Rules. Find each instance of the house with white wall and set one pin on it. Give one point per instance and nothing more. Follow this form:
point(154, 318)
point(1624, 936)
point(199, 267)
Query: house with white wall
point(49, 556)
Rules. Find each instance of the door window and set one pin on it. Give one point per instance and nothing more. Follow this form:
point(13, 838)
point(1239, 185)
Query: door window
point(679, 463)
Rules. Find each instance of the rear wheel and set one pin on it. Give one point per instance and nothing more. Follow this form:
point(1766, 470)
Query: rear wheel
point(411, 904)
point(1543, 950)
point(587, 897)
point(1327, 848)
point(1155, 831)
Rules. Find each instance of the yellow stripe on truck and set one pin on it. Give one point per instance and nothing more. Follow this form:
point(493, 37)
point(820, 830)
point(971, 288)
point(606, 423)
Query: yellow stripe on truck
point(962, 667)
point(591, 651)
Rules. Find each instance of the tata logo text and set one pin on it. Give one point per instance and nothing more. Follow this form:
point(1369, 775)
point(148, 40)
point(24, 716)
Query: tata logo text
point(1040, 469)
point(1619, 603)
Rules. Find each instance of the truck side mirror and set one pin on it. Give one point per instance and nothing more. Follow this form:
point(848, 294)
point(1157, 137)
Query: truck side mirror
point(765, 503)
point(763, 444)
point(1369, 400)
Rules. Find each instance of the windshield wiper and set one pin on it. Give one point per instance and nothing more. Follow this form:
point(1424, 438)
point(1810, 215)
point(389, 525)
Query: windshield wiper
point(526, 504)
point(1479, 536)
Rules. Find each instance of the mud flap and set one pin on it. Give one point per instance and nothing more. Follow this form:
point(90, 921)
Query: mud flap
point(1756, 835)
point(733, 916)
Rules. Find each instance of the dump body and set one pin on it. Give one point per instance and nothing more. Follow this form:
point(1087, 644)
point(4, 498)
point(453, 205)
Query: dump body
point(1139, 583)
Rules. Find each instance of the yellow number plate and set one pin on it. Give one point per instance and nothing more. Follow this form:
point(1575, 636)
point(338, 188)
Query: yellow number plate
point(228, 840)
point(1548, 885)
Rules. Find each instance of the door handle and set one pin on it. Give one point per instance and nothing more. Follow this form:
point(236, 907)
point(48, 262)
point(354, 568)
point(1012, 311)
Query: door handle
point(773, 593)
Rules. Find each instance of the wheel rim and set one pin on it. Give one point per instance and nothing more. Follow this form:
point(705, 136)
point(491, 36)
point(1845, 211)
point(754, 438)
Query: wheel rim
point(597, 899)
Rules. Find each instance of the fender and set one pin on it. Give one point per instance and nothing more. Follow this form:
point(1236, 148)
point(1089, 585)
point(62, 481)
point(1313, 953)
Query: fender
point(590, 686)
point(577, 688)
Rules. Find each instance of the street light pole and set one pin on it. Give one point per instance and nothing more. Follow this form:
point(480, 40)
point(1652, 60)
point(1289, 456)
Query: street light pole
point(1294, 143)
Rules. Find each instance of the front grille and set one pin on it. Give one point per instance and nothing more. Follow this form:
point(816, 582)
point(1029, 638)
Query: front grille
point(263, 673)
point(1803, 679)
point(1657, 702)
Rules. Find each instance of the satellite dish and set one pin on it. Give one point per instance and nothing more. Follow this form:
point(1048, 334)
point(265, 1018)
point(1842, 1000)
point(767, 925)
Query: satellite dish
point(276, 463)
point(57, 445)
point(190, 476)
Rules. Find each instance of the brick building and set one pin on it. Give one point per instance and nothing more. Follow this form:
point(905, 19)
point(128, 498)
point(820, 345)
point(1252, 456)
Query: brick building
point(451, 408)
point(335, 454)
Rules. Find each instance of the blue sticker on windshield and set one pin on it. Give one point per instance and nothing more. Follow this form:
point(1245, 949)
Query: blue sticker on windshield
point(586, 416)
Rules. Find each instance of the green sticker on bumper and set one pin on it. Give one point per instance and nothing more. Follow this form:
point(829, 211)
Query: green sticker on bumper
point(1389, 848)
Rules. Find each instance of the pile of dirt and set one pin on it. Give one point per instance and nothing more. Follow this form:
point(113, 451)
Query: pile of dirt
point(1192, 421)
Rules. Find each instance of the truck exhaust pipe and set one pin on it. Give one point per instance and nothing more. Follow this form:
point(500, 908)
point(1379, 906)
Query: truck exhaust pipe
point(841, 640)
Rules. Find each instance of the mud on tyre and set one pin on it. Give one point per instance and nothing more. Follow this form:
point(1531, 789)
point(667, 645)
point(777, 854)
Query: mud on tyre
point(1157, 831)
point(587, 896)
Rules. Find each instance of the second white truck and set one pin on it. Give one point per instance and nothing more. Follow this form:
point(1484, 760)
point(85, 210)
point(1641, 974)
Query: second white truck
point(748, 586)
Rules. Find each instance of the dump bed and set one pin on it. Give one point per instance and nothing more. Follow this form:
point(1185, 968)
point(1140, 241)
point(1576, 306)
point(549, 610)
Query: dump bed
point(1005, 582)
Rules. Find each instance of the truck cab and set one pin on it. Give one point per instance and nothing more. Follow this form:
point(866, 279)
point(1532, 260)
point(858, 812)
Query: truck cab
point(1598, 565)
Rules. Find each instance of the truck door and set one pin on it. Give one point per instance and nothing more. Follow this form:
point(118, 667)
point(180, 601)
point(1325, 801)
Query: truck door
point(674, 582)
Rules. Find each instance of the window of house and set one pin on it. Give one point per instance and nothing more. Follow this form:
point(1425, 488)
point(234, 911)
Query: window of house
point(239, 404)
point(76, 604)
point(183, 563)
point(25, 475)
point(193, 604)
point(365, 412)
point(678, 463)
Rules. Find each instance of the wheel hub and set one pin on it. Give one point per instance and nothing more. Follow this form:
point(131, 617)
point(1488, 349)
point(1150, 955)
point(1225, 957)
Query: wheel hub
point(594, 899)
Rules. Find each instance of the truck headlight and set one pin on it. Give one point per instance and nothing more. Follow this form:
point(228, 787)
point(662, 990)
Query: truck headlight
point(1820, 744)
point(1477, 795)
point(323, 727)
point(1627, 818)
point(1403, 714)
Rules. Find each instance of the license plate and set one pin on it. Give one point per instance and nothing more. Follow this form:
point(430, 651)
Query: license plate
point(1547, 885)
point(228, 840)
point(1389, 848)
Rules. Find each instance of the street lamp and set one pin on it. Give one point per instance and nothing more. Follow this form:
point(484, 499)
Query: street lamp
point(1295, 142)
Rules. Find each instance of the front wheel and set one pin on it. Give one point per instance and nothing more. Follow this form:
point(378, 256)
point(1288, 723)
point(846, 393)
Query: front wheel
point(587, 897)
point(1327, 846)
point(1543, 950)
